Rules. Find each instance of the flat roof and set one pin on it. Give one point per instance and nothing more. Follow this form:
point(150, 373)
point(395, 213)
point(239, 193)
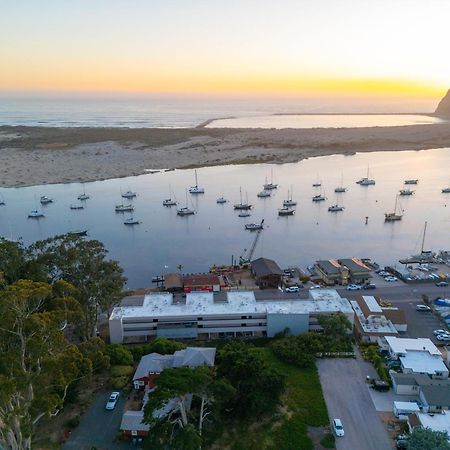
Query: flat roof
point(373, 324)
point(407, 406)
point(423, 362)
point(237, 302)
point(437, 422)
point(372, 304)
point(201, 279)
point(403, 345)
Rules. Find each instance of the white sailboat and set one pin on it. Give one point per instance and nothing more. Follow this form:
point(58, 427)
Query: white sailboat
point(124, 208)
point(269, 186)
point(45, 200)
point(35, 214)
point(286, 211)
point(83, 196)
point(255, 226)
point(131, 221)
point(394, 216)
point(320, 197)
point(185, 211)
point(221, 200)
point(336, 207)
point(446, 190)
point(129, 194)
point(242, 206)
point(263, 194)
point(341, 187)
point(411, 181)
point(289, 201)
point(406, 192)
point(366, 181)
point(170, 201)
point(196, 189)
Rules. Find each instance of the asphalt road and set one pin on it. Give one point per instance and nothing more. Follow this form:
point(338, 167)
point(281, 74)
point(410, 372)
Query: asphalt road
point(98, 427)
point(347, 398)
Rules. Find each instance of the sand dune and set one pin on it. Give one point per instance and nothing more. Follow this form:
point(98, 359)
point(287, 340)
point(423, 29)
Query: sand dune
point(39, 155)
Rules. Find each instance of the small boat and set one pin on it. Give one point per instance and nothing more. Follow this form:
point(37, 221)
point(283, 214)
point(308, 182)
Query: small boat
point(196, 189)
point(169, 202)
point(366, 181)
point(185, 211)
point(341, 188)
point(244, 214)
point(264, 194)
point(286, 211)
point(152, 171)
point(335, 208)
point(221, 200)
point(242, 206)
point(2, 200)
point(406, 192)
point(394, 216)
point(83, 196)
point(446, 190)
point(124, 208)
point(78, 233)
point(45, 200)
point(76, 207)
point(254, 226)
point(317, 184)
point(318, 198)
point(131, 221)
point(169, 170)
point(129, 194)
point(270, 186)
point(35, 214)
point(411, 181)
point(289, 201)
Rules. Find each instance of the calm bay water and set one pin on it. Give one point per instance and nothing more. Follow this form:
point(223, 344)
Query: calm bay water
point(215, 233)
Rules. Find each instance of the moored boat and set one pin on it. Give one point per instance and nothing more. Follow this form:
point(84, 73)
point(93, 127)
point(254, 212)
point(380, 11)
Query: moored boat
point(411, 181)
point(196, 189)
point(129, 194)
point(221, 200)
point(131, 221)
point(286, 211)
point(124, 208)
point(76, 207)
point(254, 226)
point(35, 214)
point(406, 192)
point(45, 200)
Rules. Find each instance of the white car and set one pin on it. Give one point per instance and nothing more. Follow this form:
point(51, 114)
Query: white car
point(389, 278)
point(353, 287)
point(338, 428)
point(422, 308)
point(292, 289)
point(112, 401)
point(316, 286)
point(438, 332)
point(443, 337)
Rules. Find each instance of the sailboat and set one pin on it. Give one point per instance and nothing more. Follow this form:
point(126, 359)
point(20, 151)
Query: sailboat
point(242, 206)
point(319, 197)
point(196, 189)
point(286, 211)
point(124, 208)
point(406, 192)
point(83, 196)
point(221, 200)
point(35, 214)
point(169, 201)
point(317, 183)
point(336, 207)
point(45, 200)
point(2, 200)
point(392, 217)
point(341, 188)
point(366, 181)
point(411, 181)
point(446, 190)
point(255, 226)
point(129, 194)
point(269, 186)
point(131, 221)
point(185, 211)
point(244, 214)
point(263, 194)
point(289, 201)
point(76, 206)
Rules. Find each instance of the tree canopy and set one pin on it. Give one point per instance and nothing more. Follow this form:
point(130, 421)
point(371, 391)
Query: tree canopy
point(37, 365)
point(426, 439)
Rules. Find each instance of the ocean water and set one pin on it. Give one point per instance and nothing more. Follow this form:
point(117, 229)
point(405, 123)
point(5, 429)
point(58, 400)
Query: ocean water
point(164, 240)
point(171, 112)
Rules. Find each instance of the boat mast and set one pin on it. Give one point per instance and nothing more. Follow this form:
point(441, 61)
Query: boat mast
point(196, 182)
point(423, 240)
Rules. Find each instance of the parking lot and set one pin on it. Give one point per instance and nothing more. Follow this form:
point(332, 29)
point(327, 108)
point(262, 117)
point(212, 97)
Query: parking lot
point(347, 398)
point(99, 428)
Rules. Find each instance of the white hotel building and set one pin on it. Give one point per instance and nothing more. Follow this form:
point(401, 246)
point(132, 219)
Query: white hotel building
point(204, 315)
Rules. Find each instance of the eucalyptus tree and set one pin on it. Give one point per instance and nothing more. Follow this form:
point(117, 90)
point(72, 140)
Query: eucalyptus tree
point(84, 264)
point(37, 363)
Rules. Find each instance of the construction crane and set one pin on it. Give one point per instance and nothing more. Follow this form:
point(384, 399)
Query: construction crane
point(246, 257)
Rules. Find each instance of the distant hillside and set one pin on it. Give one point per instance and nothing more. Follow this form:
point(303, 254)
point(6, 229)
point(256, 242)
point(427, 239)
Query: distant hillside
point(443, 108)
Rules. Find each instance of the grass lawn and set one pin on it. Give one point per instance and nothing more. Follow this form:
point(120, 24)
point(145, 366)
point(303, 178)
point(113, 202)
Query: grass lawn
point(302, 405)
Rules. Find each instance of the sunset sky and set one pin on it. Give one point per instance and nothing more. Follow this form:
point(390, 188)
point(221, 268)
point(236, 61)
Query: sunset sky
point(284, 47)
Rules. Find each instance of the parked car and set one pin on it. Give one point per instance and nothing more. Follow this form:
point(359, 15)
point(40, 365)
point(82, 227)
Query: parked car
point(438, 332)
point(390, 278)
point(443, 337)
point(442, 284)
point(380, 385)
point(401, 444)
point(338, 428)
point(316, 286)
point(422, 308)
point(292, 289)
point(112, 401)
point(353, 287)
point(369, 286)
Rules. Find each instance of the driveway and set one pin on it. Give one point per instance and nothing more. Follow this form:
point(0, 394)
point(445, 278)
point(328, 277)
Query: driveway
point(347, 398)
point(98, 428)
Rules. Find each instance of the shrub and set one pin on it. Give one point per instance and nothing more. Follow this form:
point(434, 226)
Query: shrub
point(119, 383)
point(73, 422)
point(121, 371)
point(119, 355)
point(327, 441)
point(160, 345)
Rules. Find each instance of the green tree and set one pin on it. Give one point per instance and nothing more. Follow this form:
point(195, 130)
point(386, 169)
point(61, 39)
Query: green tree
point(336, 326)
point(83, 264)
point(37, 365)
point(182, 426)
point(426, 439)
point(258, 386)
point(119, 354)
point(12, 260)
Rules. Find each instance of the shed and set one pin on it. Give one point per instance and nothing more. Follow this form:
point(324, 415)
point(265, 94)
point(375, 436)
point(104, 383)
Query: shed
point(405, 408)
point(267, 272)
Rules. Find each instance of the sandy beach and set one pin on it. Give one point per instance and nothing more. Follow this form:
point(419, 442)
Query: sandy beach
point(40, 155)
